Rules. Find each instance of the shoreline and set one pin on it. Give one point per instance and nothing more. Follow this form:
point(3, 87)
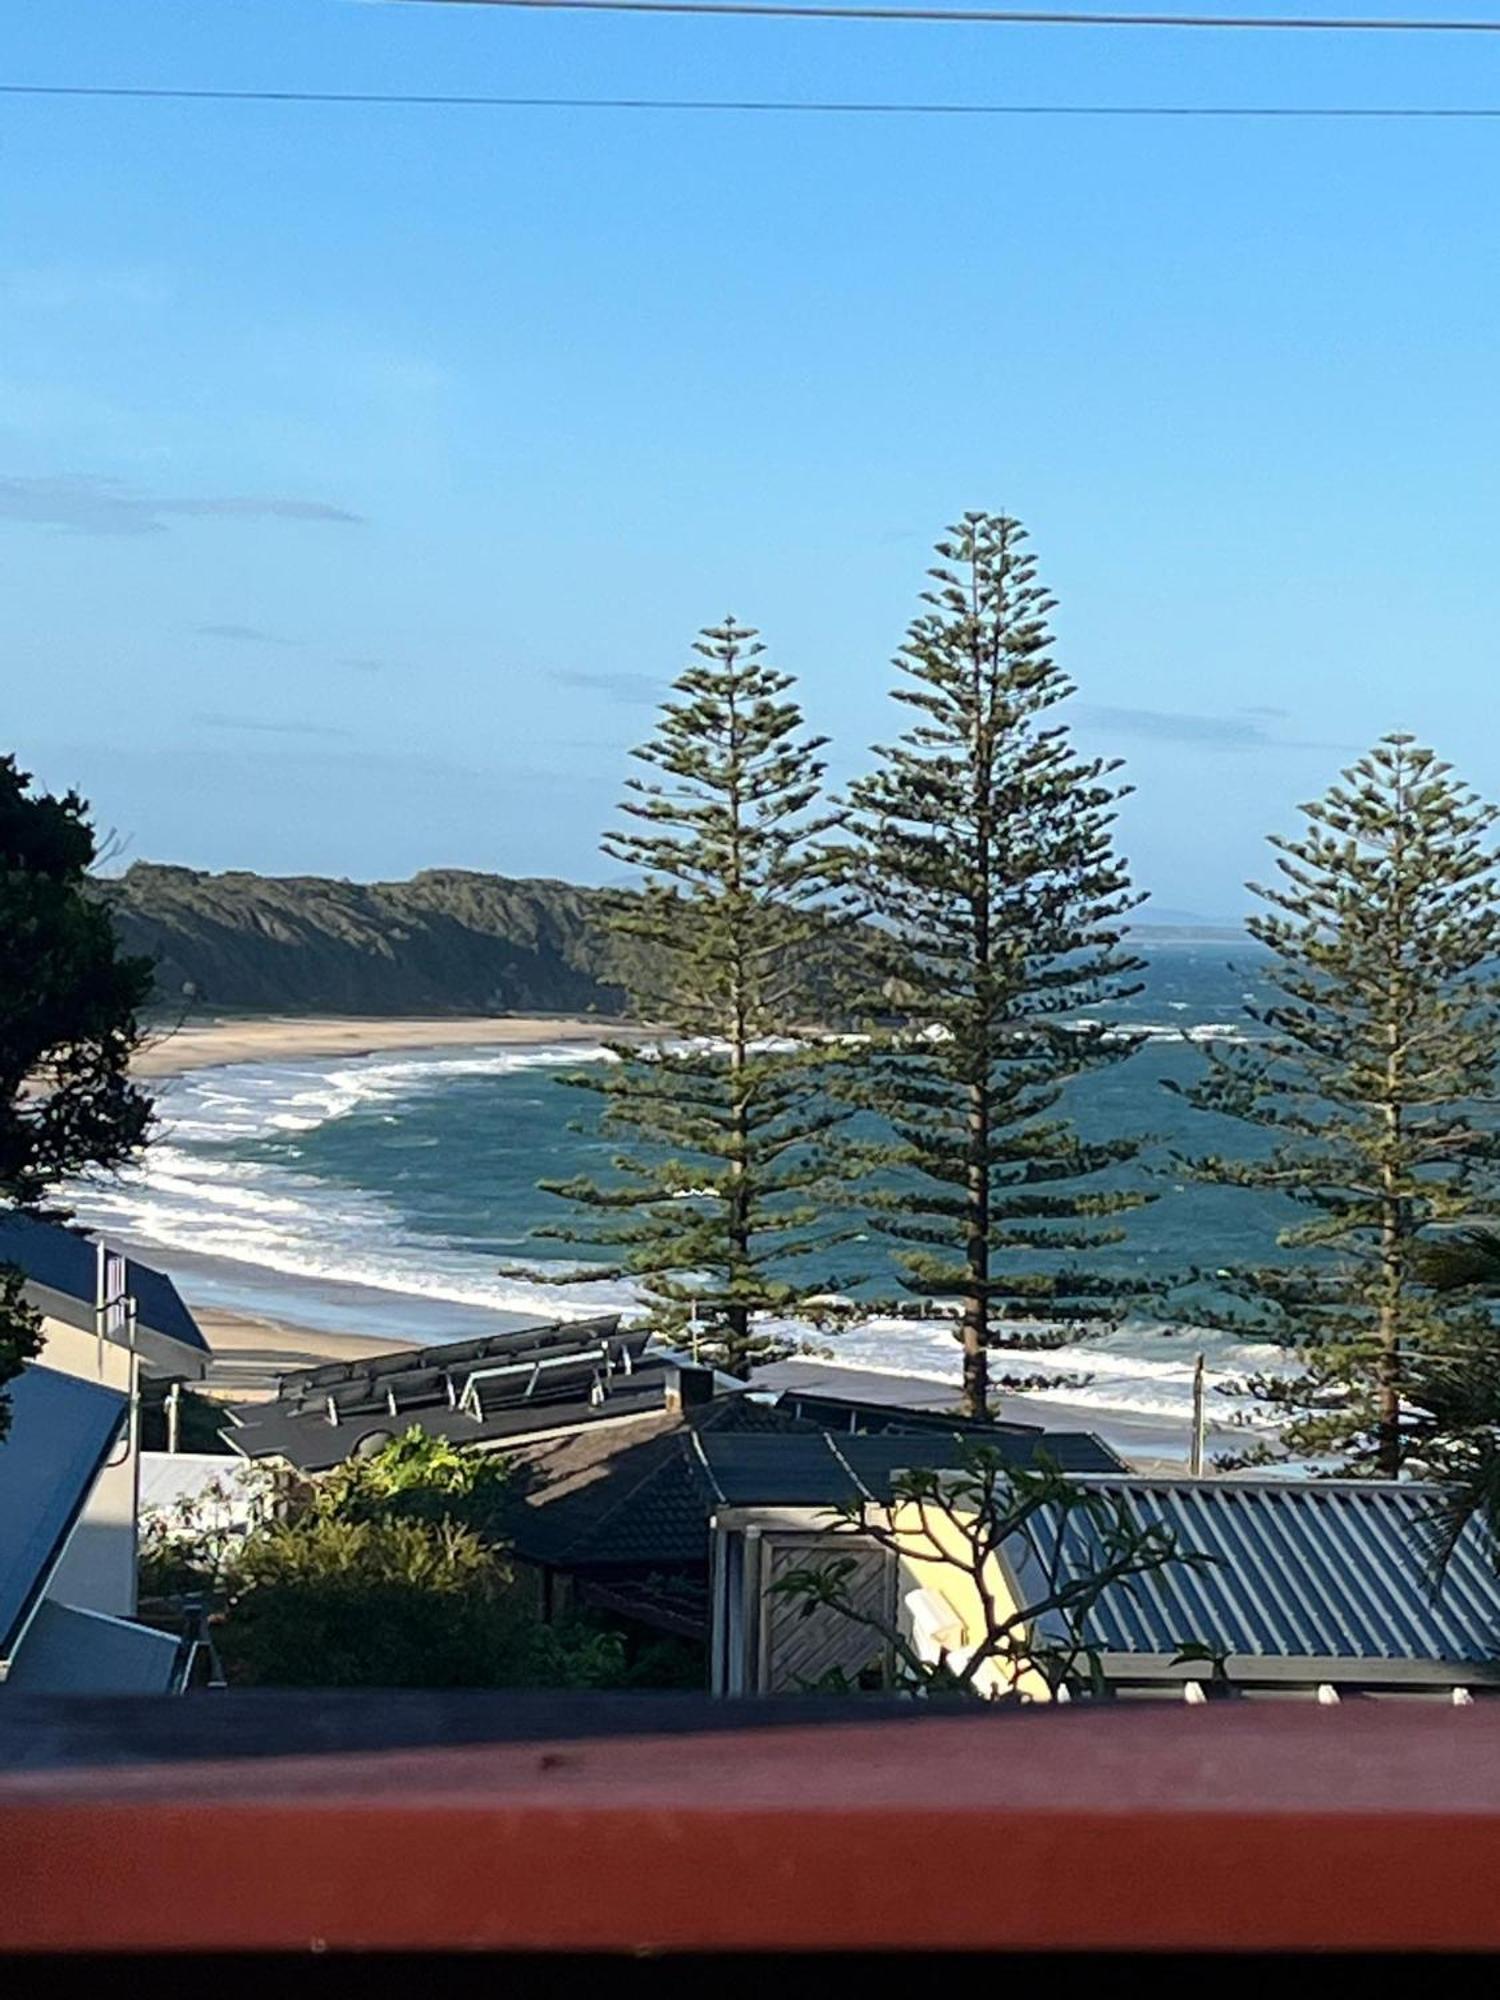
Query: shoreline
point(252, 1341)
point(214, 1044)
point(250, 1350)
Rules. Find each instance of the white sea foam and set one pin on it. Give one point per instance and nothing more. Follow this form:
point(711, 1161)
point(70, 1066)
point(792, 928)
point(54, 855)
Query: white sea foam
point(1139, 1371)
point(194, 1197)
point(207, 1203)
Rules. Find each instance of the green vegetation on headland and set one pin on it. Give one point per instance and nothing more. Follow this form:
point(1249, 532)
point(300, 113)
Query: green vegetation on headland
point(449, 941)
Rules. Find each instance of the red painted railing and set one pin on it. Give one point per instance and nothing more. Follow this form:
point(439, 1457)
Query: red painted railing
point(1244, 1825)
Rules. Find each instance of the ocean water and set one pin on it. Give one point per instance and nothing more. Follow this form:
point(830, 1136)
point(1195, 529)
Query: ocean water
point(384, 1194)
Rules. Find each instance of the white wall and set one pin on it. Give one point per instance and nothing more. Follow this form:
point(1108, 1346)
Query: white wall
point(98, 1570)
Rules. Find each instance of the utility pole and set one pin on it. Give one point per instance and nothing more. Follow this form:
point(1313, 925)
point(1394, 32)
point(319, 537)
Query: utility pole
point(1195, 1452)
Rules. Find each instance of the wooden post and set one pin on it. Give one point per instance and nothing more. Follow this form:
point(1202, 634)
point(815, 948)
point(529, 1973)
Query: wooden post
point(1195, 1453)
point(174, 1416)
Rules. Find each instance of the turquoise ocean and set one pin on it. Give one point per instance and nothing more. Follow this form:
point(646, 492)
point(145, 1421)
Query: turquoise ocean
point(396, 1194)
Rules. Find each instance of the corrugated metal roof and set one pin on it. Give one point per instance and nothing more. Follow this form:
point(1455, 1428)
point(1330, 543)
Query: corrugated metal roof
point(61, 1431)
point(1298, 1570)
point(67, 1261)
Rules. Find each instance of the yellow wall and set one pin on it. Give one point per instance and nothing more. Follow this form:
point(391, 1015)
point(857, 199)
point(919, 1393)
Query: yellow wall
point(937, 1553)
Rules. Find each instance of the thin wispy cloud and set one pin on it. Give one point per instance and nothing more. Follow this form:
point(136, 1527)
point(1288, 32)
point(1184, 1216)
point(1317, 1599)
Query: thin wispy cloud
point(1243, 731)
point(363, 663)
point(639, 689)
point(243, 635)
point(86, 505)
point(264, 726)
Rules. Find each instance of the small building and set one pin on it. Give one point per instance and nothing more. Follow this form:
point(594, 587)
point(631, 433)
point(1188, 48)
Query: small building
point(624, 1451)
point(623, 1522)
point(490, 1394)
point(65, 1436)
point(1315, 1587)
point(110, 1320)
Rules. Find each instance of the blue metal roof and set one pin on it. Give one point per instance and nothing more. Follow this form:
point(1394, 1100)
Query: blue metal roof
point(1300, 1569)
point(61, 1431)
point(67, 1261)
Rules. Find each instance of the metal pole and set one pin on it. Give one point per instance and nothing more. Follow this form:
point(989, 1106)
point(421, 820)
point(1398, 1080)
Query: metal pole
point(1195, 1454)
point(174, 1417)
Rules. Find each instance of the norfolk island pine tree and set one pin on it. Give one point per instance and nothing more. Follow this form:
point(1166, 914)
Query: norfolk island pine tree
point(1373, 1076)
point(984, 859)
point(724, 1116)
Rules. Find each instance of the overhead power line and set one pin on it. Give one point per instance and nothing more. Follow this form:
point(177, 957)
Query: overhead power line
point(834, 107)
point(1013, 17)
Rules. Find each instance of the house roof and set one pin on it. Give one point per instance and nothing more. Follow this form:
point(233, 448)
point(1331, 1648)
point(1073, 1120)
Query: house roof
point(575, 1375)
point(61, 1431)
point(1304, 1570)
point(735, 1453)
point(633, 1495)
point(68, 1651)
point(805, 1376)
point(65, 1260)
point(861, 1416)
point(827, 1470)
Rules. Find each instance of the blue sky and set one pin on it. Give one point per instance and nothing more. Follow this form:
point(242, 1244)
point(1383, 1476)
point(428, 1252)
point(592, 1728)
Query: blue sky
point(363, 471)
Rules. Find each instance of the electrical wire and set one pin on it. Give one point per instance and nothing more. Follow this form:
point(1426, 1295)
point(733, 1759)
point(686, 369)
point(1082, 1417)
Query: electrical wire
point(1011, 17)
point(835, 107)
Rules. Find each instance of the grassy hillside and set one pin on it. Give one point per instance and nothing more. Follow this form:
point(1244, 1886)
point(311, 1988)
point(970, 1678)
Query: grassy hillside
point(446, 942)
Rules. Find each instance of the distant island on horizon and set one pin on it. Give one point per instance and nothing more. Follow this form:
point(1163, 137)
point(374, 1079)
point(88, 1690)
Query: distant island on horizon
point(447, 941)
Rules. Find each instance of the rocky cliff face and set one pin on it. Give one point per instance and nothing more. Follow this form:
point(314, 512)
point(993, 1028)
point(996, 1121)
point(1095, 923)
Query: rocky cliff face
point(446, 942)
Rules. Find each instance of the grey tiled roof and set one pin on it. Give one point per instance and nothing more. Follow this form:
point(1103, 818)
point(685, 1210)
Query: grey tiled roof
point(825, 1469)
point(635, 1495)
point(1301, 1570)
point(736, 1453)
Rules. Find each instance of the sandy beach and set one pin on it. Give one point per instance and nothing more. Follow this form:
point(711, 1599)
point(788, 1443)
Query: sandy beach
point(285, 1038)
point(251, 1348)
point(249, 1351)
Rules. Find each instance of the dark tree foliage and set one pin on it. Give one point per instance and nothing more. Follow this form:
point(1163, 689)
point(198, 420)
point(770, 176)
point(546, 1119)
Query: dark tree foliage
point(20, 1335)
point(985, 857)
point(69, 1020)
point(1373, 1074)
point(724, 1118)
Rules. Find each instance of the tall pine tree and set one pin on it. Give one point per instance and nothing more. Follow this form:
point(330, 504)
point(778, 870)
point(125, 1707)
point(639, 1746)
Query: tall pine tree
point(724, 1115)
point(986, 858)
point(1373, 1076)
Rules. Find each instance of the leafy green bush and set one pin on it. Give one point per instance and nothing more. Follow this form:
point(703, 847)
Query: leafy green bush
point(391, 1571)
point(329, 1601)
point(420, 1478)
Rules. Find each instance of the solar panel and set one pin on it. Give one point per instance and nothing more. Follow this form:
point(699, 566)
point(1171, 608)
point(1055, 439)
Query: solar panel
point(314, 1383)
point(543, 1377)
